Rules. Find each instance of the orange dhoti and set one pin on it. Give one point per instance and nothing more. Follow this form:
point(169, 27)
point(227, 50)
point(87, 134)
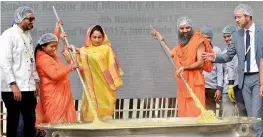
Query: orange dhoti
point(184, 56)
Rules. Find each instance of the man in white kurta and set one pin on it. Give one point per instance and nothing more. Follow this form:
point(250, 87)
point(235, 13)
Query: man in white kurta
point(20, 80)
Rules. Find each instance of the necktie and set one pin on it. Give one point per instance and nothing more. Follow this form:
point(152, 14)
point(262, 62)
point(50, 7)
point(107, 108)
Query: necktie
point(248, 50)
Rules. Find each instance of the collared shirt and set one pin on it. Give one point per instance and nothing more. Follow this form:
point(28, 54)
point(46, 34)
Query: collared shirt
point(230, 70)
point(253, 63)
point(214, 79)
point(15, 59)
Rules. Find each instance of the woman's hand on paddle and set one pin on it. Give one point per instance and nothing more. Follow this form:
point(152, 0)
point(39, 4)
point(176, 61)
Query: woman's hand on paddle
point(72, 47)
point(63, 35)
point(59, 23)
point(74, 65)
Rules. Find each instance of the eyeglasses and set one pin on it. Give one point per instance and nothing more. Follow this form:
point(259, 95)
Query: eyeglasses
point(31, 19)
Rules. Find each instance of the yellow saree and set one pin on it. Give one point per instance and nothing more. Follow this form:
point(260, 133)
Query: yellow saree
point(102, 75)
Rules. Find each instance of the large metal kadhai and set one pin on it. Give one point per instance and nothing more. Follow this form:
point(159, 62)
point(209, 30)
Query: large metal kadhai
point(178, 127)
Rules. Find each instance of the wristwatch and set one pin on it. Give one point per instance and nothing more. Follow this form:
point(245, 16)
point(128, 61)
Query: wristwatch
point(37, 80)
point(12, 83)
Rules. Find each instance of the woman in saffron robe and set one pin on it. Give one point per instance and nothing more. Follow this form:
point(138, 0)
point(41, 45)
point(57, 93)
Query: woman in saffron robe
point(56, 102)
point(101, 73)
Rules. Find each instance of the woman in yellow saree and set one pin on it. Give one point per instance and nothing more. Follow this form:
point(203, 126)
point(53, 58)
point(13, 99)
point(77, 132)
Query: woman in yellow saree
point(101, 73)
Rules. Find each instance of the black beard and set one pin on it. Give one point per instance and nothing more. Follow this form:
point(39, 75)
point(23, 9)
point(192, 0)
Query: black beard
point(183, 40)
point(28, 29)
